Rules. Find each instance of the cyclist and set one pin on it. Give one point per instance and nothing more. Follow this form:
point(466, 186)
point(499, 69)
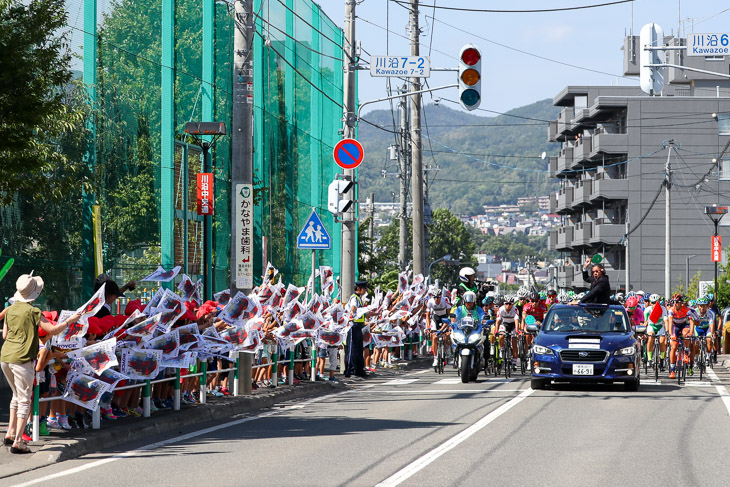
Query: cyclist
point(437, 310)
point(507, 318)
point(522, 299)
point(552, 297)
point(535, 308)
point(655, 328)
point(632, 308)
point(678, 322)
point(703, 320)
point(467, 284)
point(488, 307)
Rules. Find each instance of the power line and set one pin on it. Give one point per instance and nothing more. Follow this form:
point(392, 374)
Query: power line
point(563, 9)
point(400, 35)
point(563, 63)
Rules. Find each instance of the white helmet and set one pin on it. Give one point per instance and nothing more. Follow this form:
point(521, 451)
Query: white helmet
point(465, 273)
point(522, 292)
point(654, 298)
point(470, 297)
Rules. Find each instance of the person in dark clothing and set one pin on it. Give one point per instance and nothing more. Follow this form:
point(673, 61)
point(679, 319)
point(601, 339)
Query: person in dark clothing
point(112, 292)
point(355, 362)
point(600, 291)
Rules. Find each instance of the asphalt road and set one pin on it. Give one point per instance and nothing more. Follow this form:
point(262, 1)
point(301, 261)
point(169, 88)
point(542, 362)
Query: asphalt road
point(424, 429)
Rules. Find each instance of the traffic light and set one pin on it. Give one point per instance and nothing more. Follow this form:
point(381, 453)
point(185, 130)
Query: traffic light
point(651, 79)
point(470, 77)
point(340, 196)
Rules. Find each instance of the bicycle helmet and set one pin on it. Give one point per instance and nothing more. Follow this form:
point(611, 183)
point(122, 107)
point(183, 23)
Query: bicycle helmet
point(678, 298)
point(552, 292)
point(654, 298)
point(470, 297)
point(632, 302)
point(465, 273)
point(620, 298)
point(488, 300)
point(522, 292)
point(640, 292)
point(509, 300)
point(710, 296)
point(534, 296)
point(703, 301)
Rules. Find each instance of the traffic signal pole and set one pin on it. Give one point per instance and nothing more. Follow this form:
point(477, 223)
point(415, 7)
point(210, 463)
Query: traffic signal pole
point(416, 153)
point(349, 228)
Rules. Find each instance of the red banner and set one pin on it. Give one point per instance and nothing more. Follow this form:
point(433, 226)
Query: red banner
point(205, 193)
point(716, 248)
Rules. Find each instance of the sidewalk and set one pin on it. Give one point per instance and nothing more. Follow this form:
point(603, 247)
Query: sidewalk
point(65, 445)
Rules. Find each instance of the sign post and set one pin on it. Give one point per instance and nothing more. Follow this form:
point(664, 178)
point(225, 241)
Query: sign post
point(348, 153)
point(313, 237)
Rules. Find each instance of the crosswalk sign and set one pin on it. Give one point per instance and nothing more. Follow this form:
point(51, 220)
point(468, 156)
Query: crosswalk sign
point(313, 236)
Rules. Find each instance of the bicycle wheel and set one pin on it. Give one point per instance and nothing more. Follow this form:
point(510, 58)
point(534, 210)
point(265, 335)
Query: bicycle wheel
point(523, 355)
point(497, 365)
point(644, 357)
point(702, 361)
point(442, 358)
point(657, 359)
point(507, 358)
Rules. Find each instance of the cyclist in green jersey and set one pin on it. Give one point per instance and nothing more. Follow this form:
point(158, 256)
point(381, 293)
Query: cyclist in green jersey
point(655, 328)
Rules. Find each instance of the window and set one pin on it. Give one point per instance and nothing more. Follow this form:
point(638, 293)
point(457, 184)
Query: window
point(723, 123)
point(723, 170)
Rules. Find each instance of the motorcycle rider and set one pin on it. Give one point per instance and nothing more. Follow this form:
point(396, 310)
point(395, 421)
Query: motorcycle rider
point(467, 275)
point(469, 308)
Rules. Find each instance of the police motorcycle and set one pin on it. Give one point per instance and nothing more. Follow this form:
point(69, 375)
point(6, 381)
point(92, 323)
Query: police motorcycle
point(468, 341)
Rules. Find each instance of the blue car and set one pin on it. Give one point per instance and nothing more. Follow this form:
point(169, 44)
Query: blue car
point(586, 343)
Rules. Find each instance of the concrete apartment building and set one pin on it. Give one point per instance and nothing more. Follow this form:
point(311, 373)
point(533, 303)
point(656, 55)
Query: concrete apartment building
point(615, 144)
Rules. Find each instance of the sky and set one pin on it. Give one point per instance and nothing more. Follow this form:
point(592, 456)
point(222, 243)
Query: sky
point(588, 38)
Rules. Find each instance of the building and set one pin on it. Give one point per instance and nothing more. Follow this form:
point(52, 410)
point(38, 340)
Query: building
point(616, 141)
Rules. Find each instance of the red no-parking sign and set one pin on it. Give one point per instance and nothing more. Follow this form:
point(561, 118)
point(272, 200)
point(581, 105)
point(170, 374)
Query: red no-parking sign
point(348, 153)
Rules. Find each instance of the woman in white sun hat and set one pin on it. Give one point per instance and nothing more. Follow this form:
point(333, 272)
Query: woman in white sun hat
point(19, 352)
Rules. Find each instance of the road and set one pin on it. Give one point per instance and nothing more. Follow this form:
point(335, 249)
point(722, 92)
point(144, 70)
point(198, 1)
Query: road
point(425, 429)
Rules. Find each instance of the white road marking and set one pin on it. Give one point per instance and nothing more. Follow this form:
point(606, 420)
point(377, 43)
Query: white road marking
point(651, 383)
point(499, 380)
point(453, 380)
point(698, 384)
point(725, 396)
point(170, 441)
point(442, 391)
point(712, 375)
point(399, 382)
point(408, 471)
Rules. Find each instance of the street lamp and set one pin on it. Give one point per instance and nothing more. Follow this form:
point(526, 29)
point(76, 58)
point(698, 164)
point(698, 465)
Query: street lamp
point(715, 213)
point(198, 130)
point(444, 258)
point(686, 273)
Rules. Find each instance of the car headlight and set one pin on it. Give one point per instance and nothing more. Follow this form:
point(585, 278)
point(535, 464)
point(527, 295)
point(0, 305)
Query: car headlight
point(539, 349)
point(626, 351)
point(474, 338)
point(458, 336)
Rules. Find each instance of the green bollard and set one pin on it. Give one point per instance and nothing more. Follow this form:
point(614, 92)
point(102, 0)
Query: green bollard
point(176, 391)
point(275, 370)
point(203, 381)
point(36, 412)
point(146, 392)
point(313, 372)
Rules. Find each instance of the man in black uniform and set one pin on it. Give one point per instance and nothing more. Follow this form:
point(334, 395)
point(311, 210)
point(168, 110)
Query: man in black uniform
point(355, 361)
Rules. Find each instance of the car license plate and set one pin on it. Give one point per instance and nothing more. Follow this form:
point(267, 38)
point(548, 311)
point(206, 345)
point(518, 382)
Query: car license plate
point(582, 369)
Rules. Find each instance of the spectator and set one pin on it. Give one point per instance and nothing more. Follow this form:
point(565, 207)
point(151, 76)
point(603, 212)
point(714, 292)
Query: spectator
point(600, 291)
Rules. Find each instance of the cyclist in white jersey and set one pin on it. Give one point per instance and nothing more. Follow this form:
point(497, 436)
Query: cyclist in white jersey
point(507, 318)
point(704, 322)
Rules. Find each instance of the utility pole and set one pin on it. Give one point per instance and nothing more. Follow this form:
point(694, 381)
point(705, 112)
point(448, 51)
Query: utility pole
point(403, 163)
point(667, 223)
point(416, 154)
point(349, 225)
point(241, 143)
point(371, 227)
point(626, 243)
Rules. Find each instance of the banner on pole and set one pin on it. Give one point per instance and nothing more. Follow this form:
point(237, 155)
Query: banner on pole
point(716, 249)
point(205, 193)
point(243, 226)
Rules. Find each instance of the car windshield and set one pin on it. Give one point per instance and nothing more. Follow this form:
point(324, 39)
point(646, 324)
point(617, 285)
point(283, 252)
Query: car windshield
point(578, 318)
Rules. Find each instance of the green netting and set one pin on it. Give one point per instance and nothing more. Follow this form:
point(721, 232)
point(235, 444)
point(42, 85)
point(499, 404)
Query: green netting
point(296, 129)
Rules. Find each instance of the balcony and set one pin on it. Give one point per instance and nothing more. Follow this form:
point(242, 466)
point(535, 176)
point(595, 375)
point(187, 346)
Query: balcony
point(605, 188)
point(582, 193)
point(565, 159)
point(552, 131)
point(606, 232)
point(553, 208)
point(565, 200)
point(565, 238)
point(553, 166)
point(582, 234)
point(564, 119)
point(610, 144)
point(579, 116)
point(565, 275)
point(553, 239)
point(582, 151)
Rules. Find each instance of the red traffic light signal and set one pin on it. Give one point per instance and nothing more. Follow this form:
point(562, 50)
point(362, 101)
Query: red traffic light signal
point(470, 77)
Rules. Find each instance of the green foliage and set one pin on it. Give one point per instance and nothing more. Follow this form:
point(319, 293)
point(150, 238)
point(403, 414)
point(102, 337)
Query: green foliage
point(693, 290)
point(34, 102)
point(512, 247)
point(449, 236)
point(463, 185)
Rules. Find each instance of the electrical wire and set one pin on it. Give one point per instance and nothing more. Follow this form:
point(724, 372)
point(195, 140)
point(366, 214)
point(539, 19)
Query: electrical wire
point(563, 9)
point(451, 56)
point(538, 56)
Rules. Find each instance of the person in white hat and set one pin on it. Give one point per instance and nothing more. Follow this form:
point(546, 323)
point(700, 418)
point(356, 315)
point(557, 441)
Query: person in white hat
point(20, 332)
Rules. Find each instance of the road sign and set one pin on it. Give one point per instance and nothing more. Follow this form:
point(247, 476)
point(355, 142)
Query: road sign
point(716, 249)
point(313, 235)
point(706, 287)
point(651, 78)
point(409, 66)
point(348, 153)
point(708, 44)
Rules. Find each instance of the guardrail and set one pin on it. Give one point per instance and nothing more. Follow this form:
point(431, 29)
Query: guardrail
point(237, 377)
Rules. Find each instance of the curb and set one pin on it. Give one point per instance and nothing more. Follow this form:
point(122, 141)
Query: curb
point(110, 436)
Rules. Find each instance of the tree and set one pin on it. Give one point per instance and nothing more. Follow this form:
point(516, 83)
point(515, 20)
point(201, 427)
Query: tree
point(34, 78)
point(449, 236)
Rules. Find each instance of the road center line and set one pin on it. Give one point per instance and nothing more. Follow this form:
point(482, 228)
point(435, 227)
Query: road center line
point(430, 457)
point(170, 441)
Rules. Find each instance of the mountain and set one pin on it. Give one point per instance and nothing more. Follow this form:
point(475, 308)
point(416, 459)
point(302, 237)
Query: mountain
point(481, 160)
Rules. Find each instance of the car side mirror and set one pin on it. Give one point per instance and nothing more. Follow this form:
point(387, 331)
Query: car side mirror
point(531, 328)
point(640, 330)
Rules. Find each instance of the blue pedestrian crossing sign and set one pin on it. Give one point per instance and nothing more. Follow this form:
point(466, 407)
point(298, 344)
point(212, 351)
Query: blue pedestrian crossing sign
point(313, 236)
